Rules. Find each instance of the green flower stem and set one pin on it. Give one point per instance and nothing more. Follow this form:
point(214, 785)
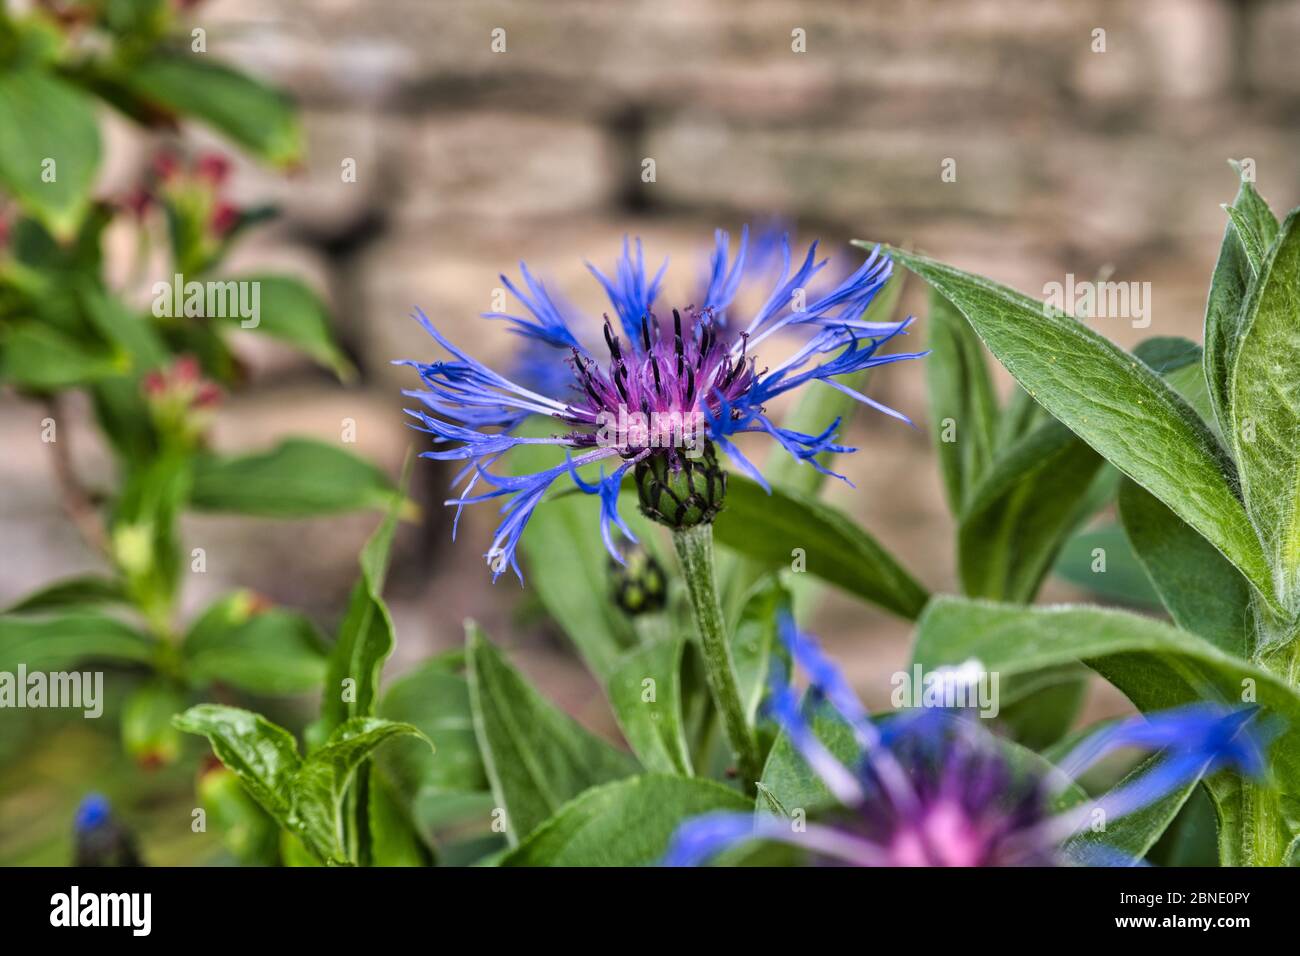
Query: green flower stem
point(1262, 833)
point(695, 551)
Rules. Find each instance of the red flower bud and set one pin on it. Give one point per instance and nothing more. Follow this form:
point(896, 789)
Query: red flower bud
point(166, 164)
point(224, 217)
point(213, 167)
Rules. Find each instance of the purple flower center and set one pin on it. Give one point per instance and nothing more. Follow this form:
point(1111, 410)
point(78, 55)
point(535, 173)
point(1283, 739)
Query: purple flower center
point(971, 807)
point(651, 393)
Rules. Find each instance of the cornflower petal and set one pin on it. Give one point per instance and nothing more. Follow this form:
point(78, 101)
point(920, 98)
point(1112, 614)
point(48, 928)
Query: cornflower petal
point(703, 838)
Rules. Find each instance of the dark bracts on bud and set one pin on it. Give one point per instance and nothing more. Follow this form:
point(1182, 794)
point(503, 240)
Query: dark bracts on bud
point(679, 491)
point(639, 585)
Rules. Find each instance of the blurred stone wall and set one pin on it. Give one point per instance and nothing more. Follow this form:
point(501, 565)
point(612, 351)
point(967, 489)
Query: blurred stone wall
point(1067, 159)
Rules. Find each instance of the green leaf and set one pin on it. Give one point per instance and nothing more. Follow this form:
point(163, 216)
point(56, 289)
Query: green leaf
point(537, 757)
point(1265, 394)
point(652, 726)
point(289, 310)
point(436, 701)
point(304, 796)
point(628, 823)
point(1250, 239)
point(1202, 592)
point(961, 398)
point(365, 638)
point(47, 121)
point(769, 528)
point(263, 755)
point(1166, 354)
point(1192, 839)
point(1123, 578)
point(125, 328)
point(33, 355)
point(144, 537)
point(250, 113)
point(1233, 276)
point(791, 785)
point(394, 840)
point(754, 640)
point(322, 781)
point(1156, 666)
point(296, 479)
point(123, 416)
point(1134, 834)
point(788, 780)
point(566, 566)
point(63, 640)
point(1020, 416)
point(1179, 362)
point(142, 20)
point(247, 831)
point(1038, 709)
point(816, 408)
point(260, 650)
point(1115, 403)
point(82, 591)
point(1124, 581)
point(1019, 515)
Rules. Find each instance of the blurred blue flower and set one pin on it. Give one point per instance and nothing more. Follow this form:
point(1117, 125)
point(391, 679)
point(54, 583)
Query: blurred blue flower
point(660, 384)
point(99, 839)
point(93, 811)
point(933, 788)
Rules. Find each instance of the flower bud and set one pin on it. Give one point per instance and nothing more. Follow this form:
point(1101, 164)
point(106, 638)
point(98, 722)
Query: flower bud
point(180, 399)
point(639, 585)
point(679, 491)
point(147, 732)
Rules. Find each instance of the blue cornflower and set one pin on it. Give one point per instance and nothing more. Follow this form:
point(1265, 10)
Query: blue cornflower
point(935, 789)
point(658, 390)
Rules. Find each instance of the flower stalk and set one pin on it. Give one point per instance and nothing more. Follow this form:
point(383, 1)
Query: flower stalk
point(695, 552)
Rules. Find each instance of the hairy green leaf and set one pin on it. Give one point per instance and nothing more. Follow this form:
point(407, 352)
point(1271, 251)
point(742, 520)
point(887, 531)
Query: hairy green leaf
point(436, 701)
point(1202, 592)
point(537, 757)
point(963, 406)
point(646, 694)
point(1114, 402)
point(1265, 393)
point(1121, 579)
point(1233, 276)
point(774, 528)
point(1019, 515)
point(628, 823)
point(1154, 665)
